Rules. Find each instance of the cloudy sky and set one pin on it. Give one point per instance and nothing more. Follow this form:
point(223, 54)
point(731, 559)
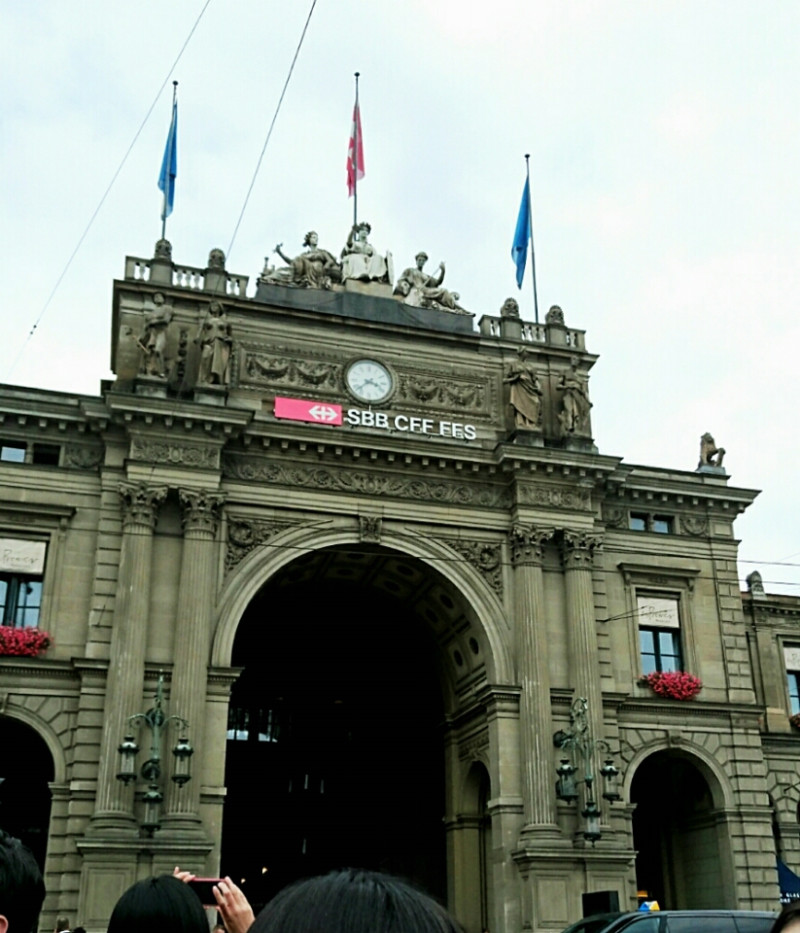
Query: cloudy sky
point(664, 143)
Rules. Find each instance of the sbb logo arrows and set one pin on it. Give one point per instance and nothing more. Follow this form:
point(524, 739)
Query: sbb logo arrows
point(300, 409)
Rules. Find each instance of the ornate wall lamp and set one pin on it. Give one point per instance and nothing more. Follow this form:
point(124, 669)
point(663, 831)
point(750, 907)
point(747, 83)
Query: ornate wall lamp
point(579, 740)
point(156, 721)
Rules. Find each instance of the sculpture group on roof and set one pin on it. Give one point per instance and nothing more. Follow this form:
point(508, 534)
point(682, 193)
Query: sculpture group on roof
point(359, 261)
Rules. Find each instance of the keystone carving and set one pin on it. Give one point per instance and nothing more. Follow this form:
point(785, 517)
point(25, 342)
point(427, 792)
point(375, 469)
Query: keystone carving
point(484, 557)
point(140, 504)
point(579, 548)
point(244, 535)
point(527, 544)
point(201, 510)
point(369, 528)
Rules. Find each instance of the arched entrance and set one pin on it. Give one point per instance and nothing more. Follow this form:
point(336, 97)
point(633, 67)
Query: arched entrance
point(335, 737)
point(25, 773)
point(682, 860)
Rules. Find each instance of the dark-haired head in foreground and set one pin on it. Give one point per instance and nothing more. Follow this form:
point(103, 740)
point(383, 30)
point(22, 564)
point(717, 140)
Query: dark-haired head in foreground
point(353, 902)
point(788, 919)
point(21, 886)
point(161, 904)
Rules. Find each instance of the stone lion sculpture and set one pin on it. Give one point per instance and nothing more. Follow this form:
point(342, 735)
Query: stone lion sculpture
point(710, 454)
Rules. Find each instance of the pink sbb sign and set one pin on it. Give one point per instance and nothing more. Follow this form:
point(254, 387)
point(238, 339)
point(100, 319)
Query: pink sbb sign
point(300, 409)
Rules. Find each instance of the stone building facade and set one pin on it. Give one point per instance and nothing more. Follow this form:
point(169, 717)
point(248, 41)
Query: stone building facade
point(373, 557)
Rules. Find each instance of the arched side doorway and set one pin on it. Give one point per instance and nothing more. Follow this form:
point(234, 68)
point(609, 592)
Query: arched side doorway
point(682, 852)
point(352, 657)
point(26, 771)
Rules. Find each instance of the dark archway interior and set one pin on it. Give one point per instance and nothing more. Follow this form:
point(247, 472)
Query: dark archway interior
point(670, 831)
point(25, 771)
point(334, 751)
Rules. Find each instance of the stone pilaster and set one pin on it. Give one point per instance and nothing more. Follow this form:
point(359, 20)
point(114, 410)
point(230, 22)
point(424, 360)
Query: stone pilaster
point(201, 510)
point(114, 802)
point(578, 552)
point(536, 727)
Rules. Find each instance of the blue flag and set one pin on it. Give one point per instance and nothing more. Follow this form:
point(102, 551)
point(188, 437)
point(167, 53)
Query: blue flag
point(169, 164)
point(522, 234)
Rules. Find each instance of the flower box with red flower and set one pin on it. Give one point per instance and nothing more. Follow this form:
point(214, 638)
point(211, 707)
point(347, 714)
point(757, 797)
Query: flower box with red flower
point(673, 685)
point(22, 642)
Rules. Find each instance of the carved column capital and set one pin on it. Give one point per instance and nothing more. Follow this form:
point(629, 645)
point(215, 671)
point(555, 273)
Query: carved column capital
point(201, 509)
point(140, 504)
point(527, 543)
point(578, 548)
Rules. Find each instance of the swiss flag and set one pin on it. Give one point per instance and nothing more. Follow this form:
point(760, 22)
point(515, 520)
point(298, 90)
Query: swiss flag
point(355, 153)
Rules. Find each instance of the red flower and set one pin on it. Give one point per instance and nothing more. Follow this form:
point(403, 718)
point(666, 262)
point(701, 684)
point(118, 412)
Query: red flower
point(22, 642)
point(675, 685)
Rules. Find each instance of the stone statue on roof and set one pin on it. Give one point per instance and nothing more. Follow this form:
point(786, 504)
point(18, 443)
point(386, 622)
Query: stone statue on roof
point(421, 290)
point(314, 268)
point(359, 259)
point(154, 338)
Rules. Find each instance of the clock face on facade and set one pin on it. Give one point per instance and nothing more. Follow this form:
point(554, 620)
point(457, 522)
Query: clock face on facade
point(369, 380)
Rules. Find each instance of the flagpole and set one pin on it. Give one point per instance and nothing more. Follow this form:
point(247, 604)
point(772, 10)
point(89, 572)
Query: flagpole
point(164, 207)
point(530, 221)
point(355, 159)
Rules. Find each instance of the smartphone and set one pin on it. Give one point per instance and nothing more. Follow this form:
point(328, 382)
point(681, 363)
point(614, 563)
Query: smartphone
point(202, 888)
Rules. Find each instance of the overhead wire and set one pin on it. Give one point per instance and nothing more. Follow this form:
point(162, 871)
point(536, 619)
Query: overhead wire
point(114, 177)
point(271, 127)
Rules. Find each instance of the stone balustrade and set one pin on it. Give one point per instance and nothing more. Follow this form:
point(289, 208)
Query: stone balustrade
point(188, 277)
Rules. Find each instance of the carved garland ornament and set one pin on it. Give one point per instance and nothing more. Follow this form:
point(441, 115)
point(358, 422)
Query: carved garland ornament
point(262, 369)
point(361, 483)
point(244, 535)
point(450, 393)
point(485, 558)
point(555, 497)
point(179, 454)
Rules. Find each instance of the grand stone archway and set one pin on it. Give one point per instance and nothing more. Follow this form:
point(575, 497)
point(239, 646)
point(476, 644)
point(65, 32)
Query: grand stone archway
point(683, 856)
point(351, 658)
point(25, 774)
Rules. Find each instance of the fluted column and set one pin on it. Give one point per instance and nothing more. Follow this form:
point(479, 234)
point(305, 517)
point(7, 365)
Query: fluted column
point(536, 727)
point(201, 510)
point(578, 553)
point(114, 802)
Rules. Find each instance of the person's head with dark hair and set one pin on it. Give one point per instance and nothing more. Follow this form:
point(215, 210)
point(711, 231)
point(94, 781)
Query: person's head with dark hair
point(21, 886)
point(353, 901)
point(788, 920)
point(160, 904)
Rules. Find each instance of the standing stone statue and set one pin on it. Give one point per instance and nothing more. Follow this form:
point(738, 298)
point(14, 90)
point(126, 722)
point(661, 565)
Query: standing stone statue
point(575, 404)
point(154, 338)
point(359, 259)
point(214, 338)
point(421, 290)
point(525, 393)
point(315, 268)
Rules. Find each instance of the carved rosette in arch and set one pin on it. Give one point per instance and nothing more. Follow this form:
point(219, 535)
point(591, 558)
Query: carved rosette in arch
point(579, 548)
point(201, 510)
point(140, 504)
point(244, 535)
point(614, 518)
point(527, 544)
point(485, 557)
point(696, 525)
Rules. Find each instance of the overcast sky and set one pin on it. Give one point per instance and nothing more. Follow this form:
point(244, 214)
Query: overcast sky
point(664, 142)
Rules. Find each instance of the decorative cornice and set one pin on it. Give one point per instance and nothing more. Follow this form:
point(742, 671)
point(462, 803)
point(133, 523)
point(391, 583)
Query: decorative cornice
point(527, 544)
point(140, 504)
point(575, 498)
point(482, 495)
point(201, 510)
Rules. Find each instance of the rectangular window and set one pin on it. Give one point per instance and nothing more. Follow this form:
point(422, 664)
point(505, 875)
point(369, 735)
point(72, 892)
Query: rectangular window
point(637, 521)
point(20, 600)
point(12, 452)
point(659, 634)
point(662, 524)
point(791, 657)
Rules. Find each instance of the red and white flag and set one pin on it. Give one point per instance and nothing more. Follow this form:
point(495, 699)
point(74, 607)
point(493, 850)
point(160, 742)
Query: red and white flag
point(355, 153)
